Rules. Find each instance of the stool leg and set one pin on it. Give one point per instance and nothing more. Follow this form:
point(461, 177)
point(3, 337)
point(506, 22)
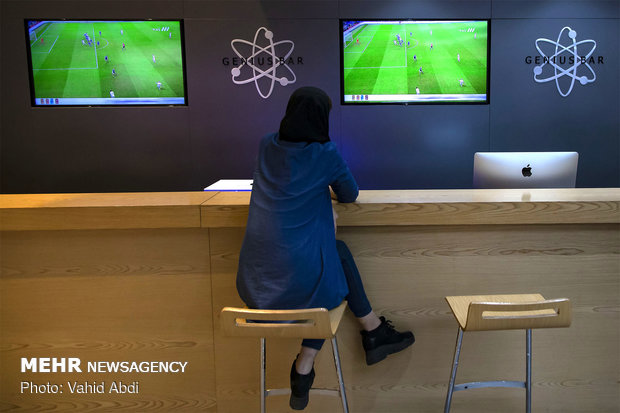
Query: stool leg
point(455, 364)
point(528, 370)
point(343, 394)
point(262, 374)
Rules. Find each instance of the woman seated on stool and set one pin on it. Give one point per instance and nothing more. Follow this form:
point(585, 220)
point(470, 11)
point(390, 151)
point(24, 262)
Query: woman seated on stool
point(290, 258)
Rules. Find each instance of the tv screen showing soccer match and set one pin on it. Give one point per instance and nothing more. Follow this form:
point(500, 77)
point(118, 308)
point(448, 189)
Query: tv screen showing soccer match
point(410, 61)
point(105, 62)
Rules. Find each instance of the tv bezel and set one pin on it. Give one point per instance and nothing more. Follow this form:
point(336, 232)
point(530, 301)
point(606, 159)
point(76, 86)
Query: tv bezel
point(95, 105)
point(487, 101)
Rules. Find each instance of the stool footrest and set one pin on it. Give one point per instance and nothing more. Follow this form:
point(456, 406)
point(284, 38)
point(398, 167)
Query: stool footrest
point(314, 390)
point(483, 384)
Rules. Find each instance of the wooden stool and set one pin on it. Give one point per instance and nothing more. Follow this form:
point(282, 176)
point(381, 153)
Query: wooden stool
point(505, 312)
point(308, 323)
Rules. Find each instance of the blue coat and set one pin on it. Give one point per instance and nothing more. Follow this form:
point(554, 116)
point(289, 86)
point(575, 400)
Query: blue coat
point(288, 259)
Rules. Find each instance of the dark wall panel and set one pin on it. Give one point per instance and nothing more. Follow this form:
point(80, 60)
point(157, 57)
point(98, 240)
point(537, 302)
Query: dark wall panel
point(85, 149)
point(103, 150)
point(416, 9)
point(416, 146)
point(531, 116)
point(556, 9)
point(396, 147)
point(186, 148)
point(228, 119)
point(251, 9)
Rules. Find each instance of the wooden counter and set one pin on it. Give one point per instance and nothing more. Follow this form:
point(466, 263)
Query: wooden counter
point(447, 207)
point(101, 211)
point(141, 277)
point(372, 208)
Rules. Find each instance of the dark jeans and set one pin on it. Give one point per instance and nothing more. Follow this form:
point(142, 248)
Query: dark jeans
point(356, 299)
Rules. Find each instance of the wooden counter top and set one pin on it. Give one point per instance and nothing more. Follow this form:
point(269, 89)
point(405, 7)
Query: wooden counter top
point(373, 208)
point(483, 206)
point(448, 207)
point(101, 211)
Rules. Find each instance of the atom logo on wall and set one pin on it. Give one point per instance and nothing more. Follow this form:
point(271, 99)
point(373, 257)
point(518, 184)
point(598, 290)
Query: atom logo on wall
point(267, 58)
point(559, 59)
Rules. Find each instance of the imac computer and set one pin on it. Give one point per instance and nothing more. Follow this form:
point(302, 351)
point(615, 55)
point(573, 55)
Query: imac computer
point(525, 169)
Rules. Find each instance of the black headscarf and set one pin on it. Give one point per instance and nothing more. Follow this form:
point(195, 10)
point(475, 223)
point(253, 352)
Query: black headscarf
point(307, 116)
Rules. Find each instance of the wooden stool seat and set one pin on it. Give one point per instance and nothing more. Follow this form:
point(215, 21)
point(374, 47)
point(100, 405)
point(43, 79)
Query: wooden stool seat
point(305, 323)
point(509, 311)
point(504, 312)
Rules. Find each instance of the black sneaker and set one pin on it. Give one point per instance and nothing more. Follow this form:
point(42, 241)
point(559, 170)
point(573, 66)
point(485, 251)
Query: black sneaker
point(384, 340)
point(300, 388)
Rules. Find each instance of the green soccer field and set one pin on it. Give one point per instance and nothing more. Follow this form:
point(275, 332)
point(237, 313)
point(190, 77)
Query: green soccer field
point(374, 64)
point(66, 67)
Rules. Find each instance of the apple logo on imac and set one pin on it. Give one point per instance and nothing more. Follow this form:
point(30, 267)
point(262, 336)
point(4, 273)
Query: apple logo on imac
point(527, 171)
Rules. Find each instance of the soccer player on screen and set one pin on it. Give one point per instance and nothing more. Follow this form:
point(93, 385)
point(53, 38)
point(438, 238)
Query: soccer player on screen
point(420, 71)
point(123, 46)
point(106, 59)
point(415, 58)
point(111, 93)
point(417, 90)
point(458, 57)
point(83, 44)
point(170, 35)
point(461, 82)
point(158, 85)
point(153, 58)
point(113, 72)
point(431, 46)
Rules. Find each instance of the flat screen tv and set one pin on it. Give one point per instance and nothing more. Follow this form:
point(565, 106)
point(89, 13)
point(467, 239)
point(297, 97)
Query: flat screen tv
point(399, 61)
point(106, 62)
